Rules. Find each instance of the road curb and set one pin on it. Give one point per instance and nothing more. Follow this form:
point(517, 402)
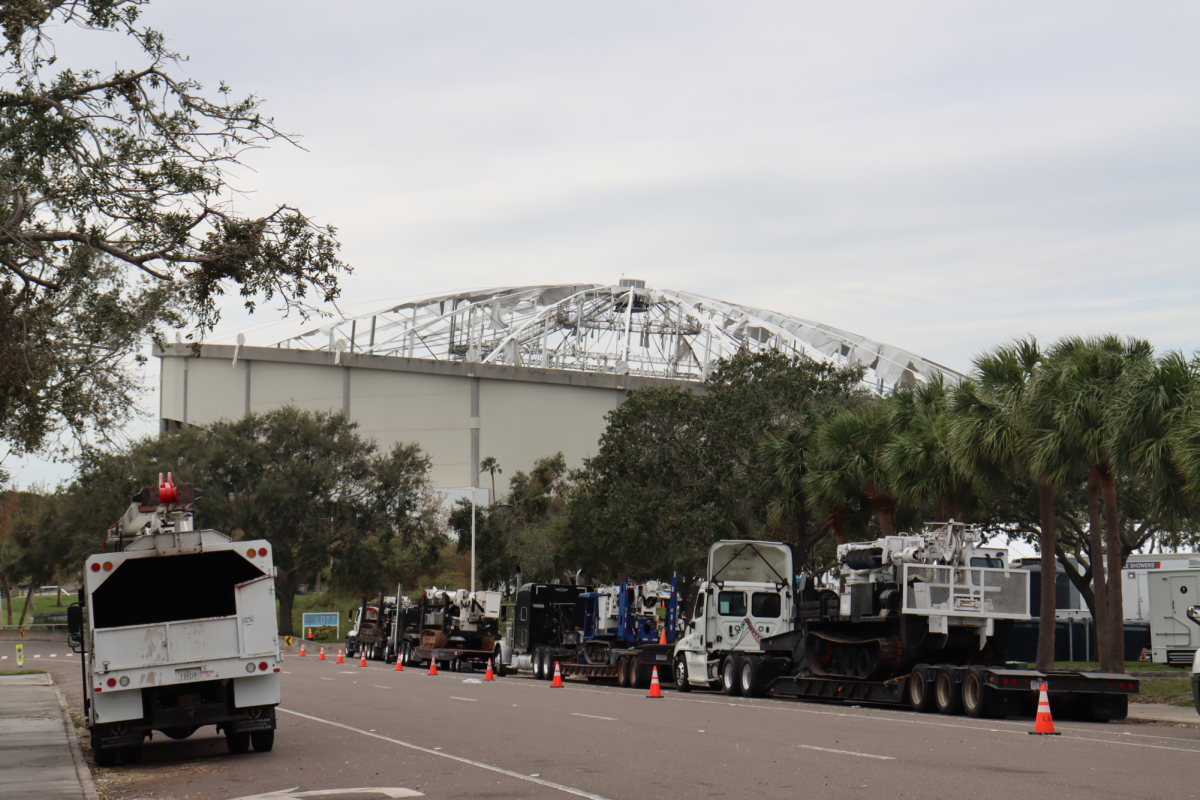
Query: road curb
point(1160, 721)
point(81, 766)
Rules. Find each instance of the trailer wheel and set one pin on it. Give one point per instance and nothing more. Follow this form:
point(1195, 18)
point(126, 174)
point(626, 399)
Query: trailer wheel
point(263, 741)
point(681, 676)
point(498, 669)
point(131, 754)
point(731, 672)
point(104, 756)
point(920, 688)
point(237, 743)
point(974, 693)
point(624, 679)
point(751, 676)
point(948, 691)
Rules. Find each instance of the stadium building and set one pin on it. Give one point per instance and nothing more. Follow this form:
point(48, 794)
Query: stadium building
point(516, 373)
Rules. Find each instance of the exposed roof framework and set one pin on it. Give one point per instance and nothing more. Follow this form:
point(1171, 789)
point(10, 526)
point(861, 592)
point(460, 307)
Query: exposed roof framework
point(622, 329)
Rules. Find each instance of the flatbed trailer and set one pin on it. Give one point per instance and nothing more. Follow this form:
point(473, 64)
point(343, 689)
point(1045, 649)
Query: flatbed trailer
point(451, 659)
point(635, 661)
point(992, 692)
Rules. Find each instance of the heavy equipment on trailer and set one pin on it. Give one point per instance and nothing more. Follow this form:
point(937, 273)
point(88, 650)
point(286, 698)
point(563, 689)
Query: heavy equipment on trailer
point(455, 629)
point(617, 633)
point(180, 631)
point(920, 619)
point(370, 630)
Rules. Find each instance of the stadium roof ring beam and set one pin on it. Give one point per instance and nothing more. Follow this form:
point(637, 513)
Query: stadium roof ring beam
point(627, 329)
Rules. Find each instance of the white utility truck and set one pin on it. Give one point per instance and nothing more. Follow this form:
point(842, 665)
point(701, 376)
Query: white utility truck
point(921, 619)
point(181, 631)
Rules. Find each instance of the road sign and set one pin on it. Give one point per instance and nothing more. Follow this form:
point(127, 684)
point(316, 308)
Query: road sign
point(322, 619)
point(287, 641)
point(20, 655)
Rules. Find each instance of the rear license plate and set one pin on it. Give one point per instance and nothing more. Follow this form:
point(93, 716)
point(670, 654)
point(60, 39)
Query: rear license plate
point(190, 674)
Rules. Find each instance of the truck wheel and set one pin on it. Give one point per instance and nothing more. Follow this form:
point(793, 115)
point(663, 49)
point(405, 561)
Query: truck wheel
point(751, 677)
point(498, 669)
point(624, 679)
point(731, 671)
point(681, 676)
point(920, 688)
point(103, 756)
point(947, 691)
point(974, 693)
point(547, 664)
point(237, 743)
point(131, 754)
point(263, 741)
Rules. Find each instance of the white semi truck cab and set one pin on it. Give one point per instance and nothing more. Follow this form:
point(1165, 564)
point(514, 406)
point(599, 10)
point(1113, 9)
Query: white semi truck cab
point(181, 632)
point(746, 597)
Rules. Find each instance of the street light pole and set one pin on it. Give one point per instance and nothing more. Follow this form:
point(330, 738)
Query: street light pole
point(472, 541)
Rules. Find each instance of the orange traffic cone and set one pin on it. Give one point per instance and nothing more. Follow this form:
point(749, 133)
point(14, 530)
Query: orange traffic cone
point(432, 667)
point(557, 682)
point(302, 648)
point(321, 657)
point(655, 689)
point(1044, 726)
point(399, 666)
point(310, 634)
point(339, 658)
point(362, 661)
point(662, 637)
point(488, 676)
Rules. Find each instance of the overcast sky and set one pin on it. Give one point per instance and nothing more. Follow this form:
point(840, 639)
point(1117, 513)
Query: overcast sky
point(937, 176)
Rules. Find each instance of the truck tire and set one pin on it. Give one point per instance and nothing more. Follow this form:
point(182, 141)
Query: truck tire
point(947, 691)
point(548, 658)
point(103, 756)
point(263, 741)
point(681, 676)
point(131, 754)
point(237, 743)
point(975, 693)
point(624, 679)
point(498, 668)
point(920, 688)
point(751, 676)
point(731, 672)
point(642, 674)
point(535, 663)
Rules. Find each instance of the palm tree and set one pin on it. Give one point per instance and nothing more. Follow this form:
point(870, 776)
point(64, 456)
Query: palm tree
point(784, 461)
point(918, 457)
point(1080, 392)
point(491, 466)
point(990, 432)
point(847, 462)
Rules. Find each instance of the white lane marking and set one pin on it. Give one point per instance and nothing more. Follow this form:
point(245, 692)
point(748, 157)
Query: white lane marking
point(500, 770)
point(383, 687)
point(54, 655)
point(3, 658)
point(885, 715)
point(285, 672)
point(343, 672)
point(593, 716)
point(326, 679)
point(39, 655)
point(467, 699)
point(845, 752)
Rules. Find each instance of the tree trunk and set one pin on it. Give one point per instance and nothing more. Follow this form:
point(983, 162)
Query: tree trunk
point(287, 589)
point(837, 523)
point(1116, 606)
point(950, 507)
point(885, 512)
point(1100, 609)
point(1047, 619)
point(25, 608)
point(7, 597)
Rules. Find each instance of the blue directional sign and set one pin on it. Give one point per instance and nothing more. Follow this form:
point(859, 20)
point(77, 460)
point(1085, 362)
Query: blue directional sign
point(321, 619)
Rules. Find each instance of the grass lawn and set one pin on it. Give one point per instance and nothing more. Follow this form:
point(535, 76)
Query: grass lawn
point(1158, 682)
point(40, 603)
point(22, 672)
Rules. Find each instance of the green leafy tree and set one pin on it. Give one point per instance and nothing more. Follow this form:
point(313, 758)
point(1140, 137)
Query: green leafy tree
point(114, 192)
point(848, 461)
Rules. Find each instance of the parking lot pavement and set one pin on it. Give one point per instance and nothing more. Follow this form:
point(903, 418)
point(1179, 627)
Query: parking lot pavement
point(341, 726)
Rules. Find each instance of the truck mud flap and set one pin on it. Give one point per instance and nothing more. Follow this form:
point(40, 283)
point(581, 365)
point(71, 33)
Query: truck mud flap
point(262, 719)
point(119, 734)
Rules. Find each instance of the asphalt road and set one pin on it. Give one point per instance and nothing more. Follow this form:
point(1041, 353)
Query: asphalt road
point(342, 727)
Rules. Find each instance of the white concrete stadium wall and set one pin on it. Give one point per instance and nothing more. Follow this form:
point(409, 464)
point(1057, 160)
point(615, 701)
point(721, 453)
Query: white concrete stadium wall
point(521, 414)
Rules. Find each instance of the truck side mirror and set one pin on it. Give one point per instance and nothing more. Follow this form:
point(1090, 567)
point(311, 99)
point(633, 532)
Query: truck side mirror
point(74, 620)
point(692, 625)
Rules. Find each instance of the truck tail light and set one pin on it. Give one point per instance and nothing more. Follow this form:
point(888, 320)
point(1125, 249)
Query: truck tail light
point(112, 682)
point(250, 553)
point(108, 566)
point(262, 551)
point(95, 567)
point(262, 665)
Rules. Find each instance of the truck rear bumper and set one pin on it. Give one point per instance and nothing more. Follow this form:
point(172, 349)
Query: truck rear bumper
point(187, 707)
